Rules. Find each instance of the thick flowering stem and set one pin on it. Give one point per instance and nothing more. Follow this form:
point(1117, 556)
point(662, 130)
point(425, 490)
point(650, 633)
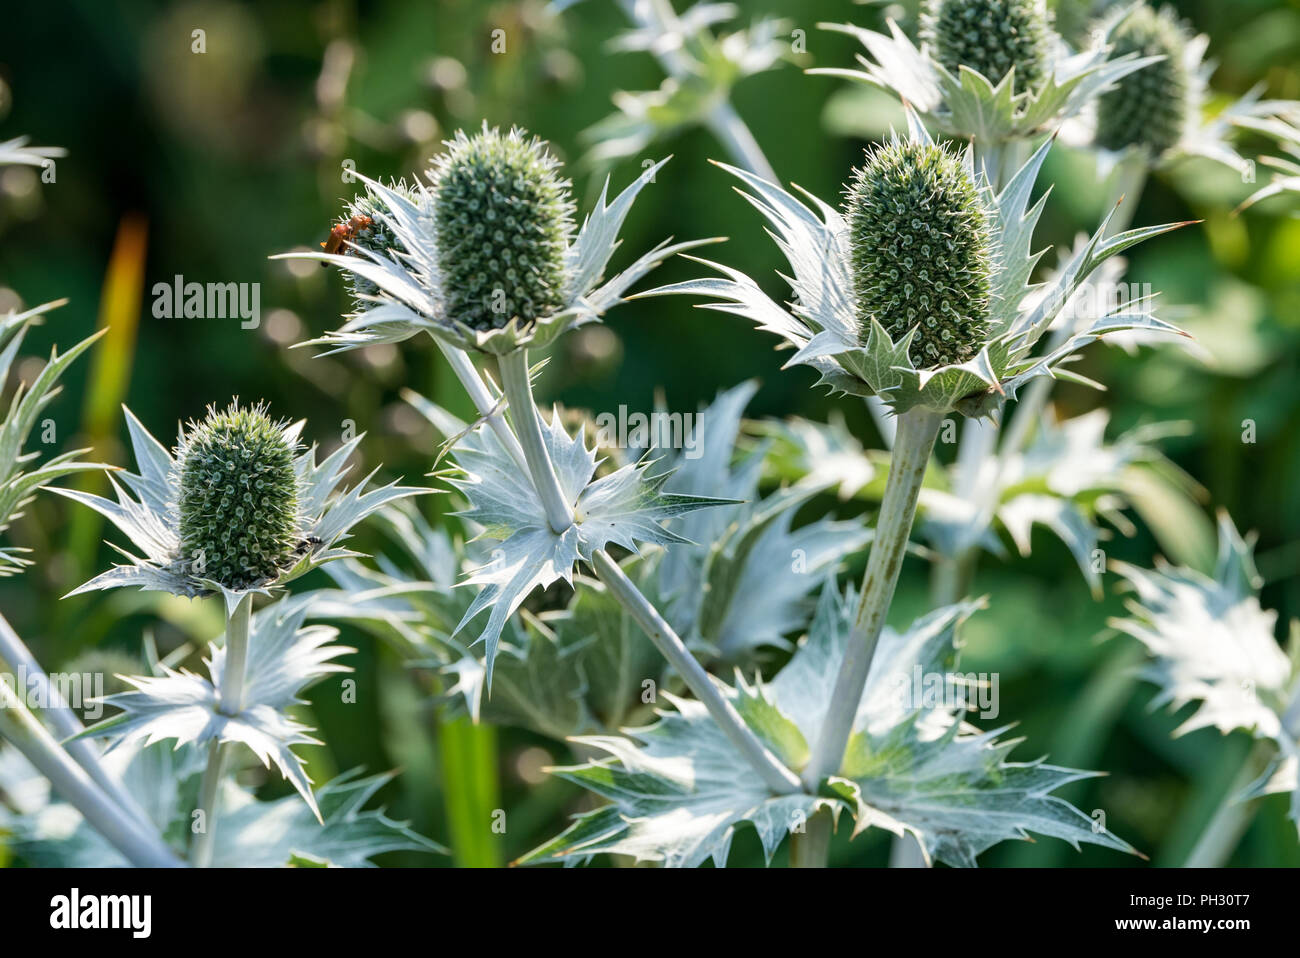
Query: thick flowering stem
point(232, 703)
point(472, 382)
point(777, 777)
point(142, 847)
point(812, 848)
point(523, 411)
point(917, 430)
point(64, 722)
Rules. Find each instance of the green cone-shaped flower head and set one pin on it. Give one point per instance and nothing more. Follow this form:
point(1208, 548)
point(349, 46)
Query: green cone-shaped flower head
point(238, 496)
point(1147, 108)
point(503, 217)
point(919, 251)
point(991, 37)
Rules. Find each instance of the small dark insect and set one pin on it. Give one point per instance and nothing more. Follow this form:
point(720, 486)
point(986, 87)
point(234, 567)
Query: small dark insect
point(305, 546)
point(343, 232)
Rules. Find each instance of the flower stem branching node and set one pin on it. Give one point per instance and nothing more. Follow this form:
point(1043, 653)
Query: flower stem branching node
point(1147, 108)
point(238, 496)
point(504, 218)
point(920, 257)
point(991, 37)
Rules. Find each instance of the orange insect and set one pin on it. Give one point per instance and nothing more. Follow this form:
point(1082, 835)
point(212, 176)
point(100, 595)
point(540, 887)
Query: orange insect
point(344, 232)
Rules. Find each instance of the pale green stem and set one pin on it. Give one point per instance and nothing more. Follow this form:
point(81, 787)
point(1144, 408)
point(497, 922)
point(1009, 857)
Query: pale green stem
point(64, 722)
point(1223, 833)
point(812, 848)
point(917, 430)
point(142, 847)
point(478, 393)
point(528, 423)
point(884, 419)
point(232, 703)
point(777, 777)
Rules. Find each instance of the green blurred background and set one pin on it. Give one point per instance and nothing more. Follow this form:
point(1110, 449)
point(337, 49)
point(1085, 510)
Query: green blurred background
point(205, 164)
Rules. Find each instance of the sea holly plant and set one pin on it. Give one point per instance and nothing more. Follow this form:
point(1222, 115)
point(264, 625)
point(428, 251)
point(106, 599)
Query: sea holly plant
point(919, 294)
point(725, 584)
point(237, 510)
point(701, 66)
point(992, 71)
point(1156, 117)
point(19, 484)
point(955, 338)
point(1214, 658)
point(75, 770)
point(677, 794)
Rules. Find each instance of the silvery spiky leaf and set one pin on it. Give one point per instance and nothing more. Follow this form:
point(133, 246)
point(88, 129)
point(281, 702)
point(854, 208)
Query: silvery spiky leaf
point(1287, 134)
point(581, 669)
point(284, 658)
point(702, 67)
point(570, 671)
point(825, 454)
point(965, 103)
point(1211, 643)
point(146, 508)
point(677, 791)
point(1067, 479)
point(412, 282)
point(164, 781)
point(625, 508)
point(257, 834)
point(1160, 112)
point(744, 581)
point(17, 483)
point(824, 326)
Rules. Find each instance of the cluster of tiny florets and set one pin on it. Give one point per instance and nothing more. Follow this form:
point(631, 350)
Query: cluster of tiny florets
point(991, 37)
point(919, 251)
point(1147, 108)
point(377, 236)
point(238, 498)
point(503, 217)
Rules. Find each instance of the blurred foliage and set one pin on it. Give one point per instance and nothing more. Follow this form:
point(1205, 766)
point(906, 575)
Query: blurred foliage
point(218, 159)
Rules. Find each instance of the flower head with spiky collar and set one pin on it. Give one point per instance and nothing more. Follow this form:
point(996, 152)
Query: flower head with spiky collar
point(921, 294)
point(485, 256)
point(238, 497)
point(238, 507)
point(994, 70)
point(1158, 114)
point(919, 250)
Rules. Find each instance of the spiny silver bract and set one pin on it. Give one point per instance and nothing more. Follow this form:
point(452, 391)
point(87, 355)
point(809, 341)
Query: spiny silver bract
point(238, 498)
point(377, 235)
point(503, 218)
point(991, 37)
point(919, 251)
point(1147, 108)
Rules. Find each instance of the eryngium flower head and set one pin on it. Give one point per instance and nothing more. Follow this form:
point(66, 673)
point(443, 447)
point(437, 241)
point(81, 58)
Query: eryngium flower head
point(503, 218)
point(991, 37)
point(919, 251)
point(238, 498)
point(1147, 108)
